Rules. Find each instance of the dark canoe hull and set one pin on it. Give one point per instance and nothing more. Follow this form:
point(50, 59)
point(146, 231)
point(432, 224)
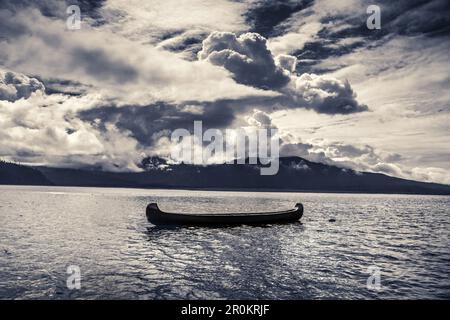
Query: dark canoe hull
point(158, 217)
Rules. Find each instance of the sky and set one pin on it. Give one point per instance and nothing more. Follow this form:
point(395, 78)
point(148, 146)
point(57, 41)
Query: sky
point(109, 94)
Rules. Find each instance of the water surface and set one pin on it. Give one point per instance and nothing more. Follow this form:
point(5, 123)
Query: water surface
point(104, 232)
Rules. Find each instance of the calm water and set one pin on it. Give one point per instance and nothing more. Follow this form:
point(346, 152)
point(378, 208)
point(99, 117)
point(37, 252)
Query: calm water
point(120, 255)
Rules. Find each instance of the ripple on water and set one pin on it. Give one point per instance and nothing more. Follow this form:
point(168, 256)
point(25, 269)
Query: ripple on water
point(121, 255)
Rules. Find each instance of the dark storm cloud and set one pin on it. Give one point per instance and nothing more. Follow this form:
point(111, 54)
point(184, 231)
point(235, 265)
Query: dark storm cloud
point(68, 87)
point(246, 57)
point(189, 42)
point(90, 8)
point(185, 43)
point(9, 27)
point(46, 7)
point(148, 123)
point(314, 52)
point(144, 122)
point(403, 17)
point(250, 61)
point(413, 17)
point(266, 15)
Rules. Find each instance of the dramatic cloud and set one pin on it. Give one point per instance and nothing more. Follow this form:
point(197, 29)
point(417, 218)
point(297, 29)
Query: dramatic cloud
point(264, 16)
point(324, 29)
point(45, 130)
point(111, 93)
point(187, 43)
point(148, 123)
point(246, 56)
point(115, 66)
point(260, 119)
point(324, 94)
point(14, 86)
point(251, 62)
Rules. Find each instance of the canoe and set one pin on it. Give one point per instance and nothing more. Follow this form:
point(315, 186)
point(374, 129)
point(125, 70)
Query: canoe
point(159, 217)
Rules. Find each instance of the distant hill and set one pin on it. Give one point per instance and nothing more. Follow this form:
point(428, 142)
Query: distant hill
point(295, 174)
point(14, 174)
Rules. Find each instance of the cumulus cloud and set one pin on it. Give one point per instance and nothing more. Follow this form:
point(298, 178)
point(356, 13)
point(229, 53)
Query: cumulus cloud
point(44, 129)
point(324, 94)
point(250, 61)
point(246, 56)
point(259, 119)
point(14, 86)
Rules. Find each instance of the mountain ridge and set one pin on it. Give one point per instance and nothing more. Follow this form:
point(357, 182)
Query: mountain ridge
point(295, 174)
point(16, 174)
